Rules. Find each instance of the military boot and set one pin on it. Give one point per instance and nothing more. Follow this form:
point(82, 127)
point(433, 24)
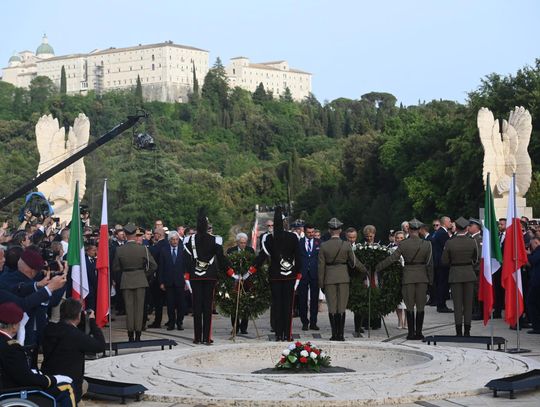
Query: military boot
point(341, 329)
point(137, 336)
point(467, 330)
point(410, 325)
point(459, 331)
point(130, 336)
point(337, 326)
point(333, 327)
point(419, 325)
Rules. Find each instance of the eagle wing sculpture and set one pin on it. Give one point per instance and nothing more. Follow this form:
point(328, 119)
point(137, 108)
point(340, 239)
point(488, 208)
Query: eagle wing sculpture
point(506, 153)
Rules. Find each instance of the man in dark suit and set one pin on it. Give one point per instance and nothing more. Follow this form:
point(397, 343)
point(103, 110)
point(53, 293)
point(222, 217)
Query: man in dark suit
point(241, 246)
point(90, 257)
point(441, 271)
point(156, 295)
point(171, 280)
point(309, 253)
point(64, 345)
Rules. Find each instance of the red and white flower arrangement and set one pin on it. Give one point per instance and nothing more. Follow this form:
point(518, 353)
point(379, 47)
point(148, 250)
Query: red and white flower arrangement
point(303, 356)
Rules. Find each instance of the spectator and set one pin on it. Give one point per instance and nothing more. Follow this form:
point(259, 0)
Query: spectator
point(14, 368)
point(64, 345)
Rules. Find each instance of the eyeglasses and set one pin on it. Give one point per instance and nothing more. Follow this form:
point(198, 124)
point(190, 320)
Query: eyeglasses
point(436, 225)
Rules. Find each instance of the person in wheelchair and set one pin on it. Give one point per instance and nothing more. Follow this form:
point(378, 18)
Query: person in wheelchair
point(15, 370)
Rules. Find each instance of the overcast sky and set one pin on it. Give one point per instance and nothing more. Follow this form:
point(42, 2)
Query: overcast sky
point(416, 50)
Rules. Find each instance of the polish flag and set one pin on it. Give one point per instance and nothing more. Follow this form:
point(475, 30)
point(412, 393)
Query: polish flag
point(102, 266)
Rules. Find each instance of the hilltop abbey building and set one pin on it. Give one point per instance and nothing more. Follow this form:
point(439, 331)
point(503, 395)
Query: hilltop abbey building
point(165, 70)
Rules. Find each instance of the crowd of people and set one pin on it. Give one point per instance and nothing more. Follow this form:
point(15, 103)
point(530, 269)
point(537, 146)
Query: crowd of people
point(178, 269)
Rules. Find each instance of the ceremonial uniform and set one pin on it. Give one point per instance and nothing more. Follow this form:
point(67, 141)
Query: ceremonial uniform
point(335, 258)
point(477, 305)
point(282, 249)
point(417, 274)
point(134, 264)
point(460, 255)
point(204, 258)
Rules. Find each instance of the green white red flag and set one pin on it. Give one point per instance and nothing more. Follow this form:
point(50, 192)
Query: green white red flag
point(76, 255)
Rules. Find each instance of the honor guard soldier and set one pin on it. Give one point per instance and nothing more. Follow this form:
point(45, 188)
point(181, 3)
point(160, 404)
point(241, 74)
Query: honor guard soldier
point(14, 368)
point(281, 248)
point(417, 274)
point(461, 255)
point(335, 258)
point(135, 265)
point(475, 231)
point(204, 259)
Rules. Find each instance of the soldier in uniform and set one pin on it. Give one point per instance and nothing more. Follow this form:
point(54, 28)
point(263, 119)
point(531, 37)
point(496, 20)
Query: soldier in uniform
point(461, 255)
point(335, 258)
point(281, 248)
point(14, 368)
point(475, 231)
point(135, 265)
point(417, 274)
point(204, 258)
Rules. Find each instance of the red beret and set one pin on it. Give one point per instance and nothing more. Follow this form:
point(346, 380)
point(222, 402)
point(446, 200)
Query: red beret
point(32, 258)
point(10, 313)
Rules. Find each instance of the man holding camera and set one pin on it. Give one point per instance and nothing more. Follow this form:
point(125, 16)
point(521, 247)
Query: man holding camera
point(64, 345)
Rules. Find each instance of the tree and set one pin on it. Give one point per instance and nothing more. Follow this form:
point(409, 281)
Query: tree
point(286, 96)
point(138, 91)
point(41, 89)
point(216, 86)
point(63, 81)
point(260, 96)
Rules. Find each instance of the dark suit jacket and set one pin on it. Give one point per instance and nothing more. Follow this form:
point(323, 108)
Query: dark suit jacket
point(234, 249)
point(438, 242)
point(64, 347)
point(92, 283)
point(169, 273)
point(309, 260)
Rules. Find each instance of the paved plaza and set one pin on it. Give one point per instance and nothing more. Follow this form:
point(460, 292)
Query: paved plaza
point(435, 323)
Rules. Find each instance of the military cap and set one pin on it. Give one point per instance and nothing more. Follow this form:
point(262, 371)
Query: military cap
point(130, 229)
point(298, 223)
point(139, 232)
point(462, 223)
point(32, 258)
point(415, 224)
point(475, 222)
point(10, 313)
point(335, 223)
point(118, 228)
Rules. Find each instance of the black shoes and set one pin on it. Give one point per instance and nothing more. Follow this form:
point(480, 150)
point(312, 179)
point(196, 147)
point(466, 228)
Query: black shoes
point(305, 327)
point(130, 336)
point(154, 325)
point(180, 327)
point(459, 331)
point(467, 331)
point(170, 327)
point(314, 327)
point(444, 310)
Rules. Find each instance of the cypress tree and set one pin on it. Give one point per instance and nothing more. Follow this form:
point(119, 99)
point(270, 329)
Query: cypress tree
point(138, 90)
point(63, 81)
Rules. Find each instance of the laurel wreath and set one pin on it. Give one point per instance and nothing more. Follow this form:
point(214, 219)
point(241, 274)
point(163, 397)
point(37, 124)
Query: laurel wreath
point(255, 295)
point(384, 298)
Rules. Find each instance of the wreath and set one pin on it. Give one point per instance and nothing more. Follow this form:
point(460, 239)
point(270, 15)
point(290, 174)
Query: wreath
point(386, 285)
point(254, 298)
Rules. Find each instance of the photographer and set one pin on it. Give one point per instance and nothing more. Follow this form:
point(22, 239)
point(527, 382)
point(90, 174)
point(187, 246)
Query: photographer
point(64, 345)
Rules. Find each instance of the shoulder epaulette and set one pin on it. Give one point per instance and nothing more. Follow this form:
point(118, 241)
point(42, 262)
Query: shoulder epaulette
point(13, 342)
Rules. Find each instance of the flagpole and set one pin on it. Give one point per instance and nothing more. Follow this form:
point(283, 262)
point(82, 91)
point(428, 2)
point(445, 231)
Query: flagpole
point(489, 209)
point(82, 259)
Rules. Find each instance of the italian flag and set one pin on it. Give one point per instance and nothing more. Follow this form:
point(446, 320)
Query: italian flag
point(76, 255)
point(491, 253)
point(102, 266)
point(514, 258)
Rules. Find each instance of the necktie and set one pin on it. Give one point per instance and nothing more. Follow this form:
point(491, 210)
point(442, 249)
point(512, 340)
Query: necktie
point(174, 255)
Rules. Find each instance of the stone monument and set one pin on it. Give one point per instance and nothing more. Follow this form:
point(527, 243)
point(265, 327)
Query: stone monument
point(54, 148)
point(505, 153)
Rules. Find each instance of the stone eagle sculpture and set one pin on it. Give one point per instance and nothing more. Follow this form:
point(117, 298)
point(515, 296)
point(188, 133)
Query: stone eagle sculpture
point(506, 152)
point(54, 148)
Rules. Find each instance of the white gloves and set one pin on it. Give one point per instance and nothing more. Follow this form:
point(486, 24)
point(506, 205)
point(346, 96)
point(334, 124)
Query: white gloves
point(296, 284)
point(246, 275)
point(63, 379)
point(188, 285)
point(236, 276)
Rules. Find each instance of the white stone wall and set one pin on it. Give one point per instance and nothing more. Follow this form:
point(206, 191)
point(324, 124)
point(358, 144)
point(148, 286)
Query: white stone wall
point(275, 76)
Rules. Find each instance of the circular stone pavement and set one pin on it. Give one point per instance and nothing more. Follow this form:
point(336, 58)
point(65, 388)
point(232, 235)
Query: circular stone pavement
point(384, 374)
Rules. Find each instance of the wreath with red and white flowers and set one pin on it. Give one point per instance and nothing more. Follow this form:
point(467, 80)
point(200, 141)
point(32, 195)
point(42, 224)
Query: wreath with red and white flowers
point(303, 356)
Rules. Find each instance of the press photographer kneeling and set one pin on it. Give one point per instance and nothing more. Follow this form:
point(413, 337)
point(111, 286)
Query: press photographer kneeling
point(64, 345)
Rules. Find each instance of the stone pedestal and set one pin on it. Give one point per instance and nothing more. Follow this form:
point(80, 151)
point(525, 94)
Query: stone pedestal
point(501, 208)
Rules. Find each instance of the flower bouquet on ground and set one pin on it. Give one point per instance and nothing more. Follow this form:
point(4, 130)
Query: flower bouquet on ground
point(303, 356)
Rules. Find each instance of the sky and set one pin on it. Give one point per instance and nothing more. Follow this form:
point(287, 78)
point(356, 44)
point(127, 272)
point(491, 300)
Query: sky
point(416, 50)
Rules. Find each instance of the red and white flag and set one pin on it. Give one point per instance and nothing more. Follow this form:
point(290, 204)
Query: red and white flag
point(514, 258)
point(491, 254)
point(254, 234)
point(102, 266)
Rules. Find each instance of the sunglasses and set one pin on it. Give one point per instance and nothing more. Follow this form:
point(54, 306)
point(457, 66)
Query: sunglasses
point(436, 225)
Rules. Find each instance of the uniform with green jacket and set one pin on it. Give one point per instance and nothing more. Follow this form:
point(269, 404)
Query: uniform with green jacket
point(461, 254)
point(134, 264)
point(417, 274)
